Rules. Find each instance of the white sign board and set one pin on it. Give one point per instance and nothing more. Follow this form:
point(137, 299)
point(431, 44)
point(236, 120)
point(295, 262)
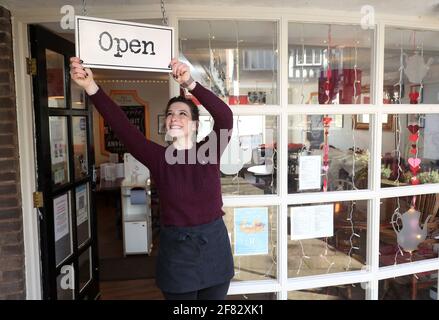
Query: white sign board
point(61, 216)
point(113, 44)
point(310, 169)
point(309, 222)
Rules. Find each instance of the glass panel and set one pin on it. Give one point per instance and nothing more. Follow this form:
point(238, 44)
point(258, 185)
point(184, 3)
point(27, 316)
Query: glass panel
point(238, 60)
point(354, 291)
point(79, 127)
point(62, 227)
point(409, 229)
point(320, 153)
point(326, 61)
point(254, 296)
point(55, 79)
point(82, 213)
point(78, 96)
point(248, 165)
point(84, 268)
point(418, 163)
point(58, 150)
point(253, 234)
point(326, 238)
point(66, 283)
point(418, 286)
point(411, 59)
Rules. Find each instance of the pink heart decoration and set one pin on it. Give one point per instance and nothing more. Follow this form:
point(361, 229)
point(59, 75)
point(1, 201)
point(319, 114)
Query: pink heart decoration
point(326, 149)
point(414, 137)
point(414, 162)
point(413, 151)
point(413, 128)
point(326, 168)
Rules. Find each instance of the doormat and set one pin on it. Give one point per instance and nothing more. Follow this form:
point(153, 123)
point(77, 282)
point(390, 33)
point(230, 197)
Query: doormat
point(128, 268)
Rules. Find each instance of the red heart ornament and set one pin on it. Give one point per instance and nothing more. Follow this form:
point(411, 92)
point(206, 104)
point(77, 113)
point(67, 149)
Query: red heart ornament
point(327, 121)
point(413, 128)
point(413, 151)
point(414, 137)
point(415, 170)
point(414, 145)
point(414, 180)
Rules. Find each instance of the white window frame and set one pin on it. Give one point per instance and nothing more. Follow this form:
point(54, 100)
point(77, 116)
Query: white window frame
point(373, 273)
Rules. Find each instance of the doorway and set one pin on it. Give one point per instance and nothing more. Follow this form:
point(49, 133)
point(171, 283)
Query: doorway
point(115, 275)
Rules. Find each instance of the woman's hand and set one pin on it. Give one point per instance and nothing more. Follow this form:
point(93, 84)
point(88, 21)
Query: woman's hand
point(83, 77)
point(180, 71)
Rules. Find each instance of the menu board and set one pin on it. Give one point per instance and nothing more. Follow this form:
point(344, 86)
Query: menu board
point(136, 115)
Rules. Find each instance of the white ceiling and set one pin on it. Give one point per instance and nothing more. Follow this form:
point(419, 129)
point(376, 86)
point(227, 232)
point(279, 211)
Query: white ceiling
point(399, 7)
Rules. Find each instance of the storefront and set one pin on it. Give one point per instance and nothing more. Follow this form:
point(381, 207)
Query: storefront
point(333, 154)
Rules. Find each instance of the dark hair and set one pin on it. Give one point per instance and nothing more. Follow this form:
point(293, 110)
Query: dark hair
point(195, 112)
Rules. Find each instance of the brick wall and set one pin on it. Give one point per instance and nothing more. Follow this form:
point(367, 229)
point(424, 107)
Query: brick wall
point(12, 276)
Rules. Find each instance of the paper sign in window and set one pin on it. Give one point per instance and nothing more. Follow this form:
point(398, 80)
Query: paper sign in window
point(309, 222)
point(310, 168)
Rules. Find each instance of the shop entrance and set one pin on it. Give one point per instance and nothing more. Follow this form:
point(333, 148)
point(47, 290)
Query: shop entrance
point(65, 162)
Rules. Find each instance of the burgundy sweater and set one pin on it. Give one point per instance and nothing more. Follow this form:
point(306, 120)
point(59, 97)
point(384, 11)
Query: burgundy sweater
point(190, 194)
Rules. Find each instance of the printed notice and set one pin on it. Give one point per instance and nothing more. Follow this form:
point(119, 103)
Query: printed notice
point(251, 231)
point(60, 212)
point(310, 168)
point(81, 205)
point(309, 222)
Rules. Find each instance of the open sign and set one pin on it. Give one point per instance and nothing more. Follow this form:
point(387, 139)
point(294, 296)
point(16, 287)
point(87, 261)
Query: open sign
point(113, 44)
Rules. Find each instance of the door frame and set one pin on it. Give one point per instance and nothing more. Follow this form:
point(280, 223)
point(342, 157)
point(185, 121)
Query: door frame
point(26, 129)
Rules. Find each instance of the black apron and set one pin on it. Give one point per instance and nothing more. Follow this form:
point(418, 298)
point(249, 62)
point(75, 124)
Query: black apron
point(194, 258)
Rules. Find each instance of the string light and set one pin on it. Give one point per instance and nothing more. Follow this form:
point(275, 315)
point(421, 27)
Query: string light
point(304, 256)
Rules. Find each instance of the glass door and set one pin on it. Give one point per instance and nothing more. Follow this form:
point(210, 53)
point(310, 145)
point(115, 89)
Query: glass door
point(65, 177)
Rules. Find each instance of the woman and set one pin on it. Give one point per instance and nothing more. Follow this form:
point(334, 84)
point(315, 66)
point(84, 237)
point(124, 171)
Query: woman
point(194, 259)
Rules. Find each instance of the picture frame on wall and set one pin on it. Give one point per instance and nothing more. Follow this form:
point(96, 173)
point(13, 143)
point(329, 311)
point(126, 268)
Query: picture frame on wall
point(161, 123)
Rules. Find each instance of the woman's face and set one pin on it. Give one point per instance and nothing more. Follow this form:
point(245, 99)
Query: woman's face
point(179, 121)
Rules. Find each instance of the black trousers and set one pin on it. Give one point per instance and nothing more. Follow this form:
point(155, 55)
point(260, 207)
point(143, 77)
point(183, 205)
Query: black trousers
point(218, 292)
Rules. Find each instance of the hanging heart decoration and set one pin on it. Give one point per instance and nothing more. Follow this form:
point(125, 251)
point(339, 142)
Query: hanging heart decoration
point(414, 137)
point(414, 180)
point(414, 162)
point(327, 121)
point(413, 128)
point(415, 170)
point(413, 151)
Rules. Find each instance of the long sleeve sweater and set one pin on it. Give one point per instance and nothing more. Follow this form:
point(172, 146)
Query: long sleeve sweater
point(189, 193)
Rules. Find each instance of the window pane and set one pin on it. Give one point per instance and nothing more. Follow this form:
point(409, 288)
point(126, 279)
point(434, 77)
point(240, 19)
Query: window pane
point(238, 60)
point(325, 61)
point(253, 234)
point(413, 147)
point(84, 268)
point(411, 58)
point(55, 79)
point(78, 99)
point(249, 163)
point(82, 213)
point(317, 159)
point(254, 296)
point(419, 286)
point(66, 283)
point(79, 127)
point(62, 227)
point(58, 150)
point(354, 291)
point(409, 229)
point(326, 238)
